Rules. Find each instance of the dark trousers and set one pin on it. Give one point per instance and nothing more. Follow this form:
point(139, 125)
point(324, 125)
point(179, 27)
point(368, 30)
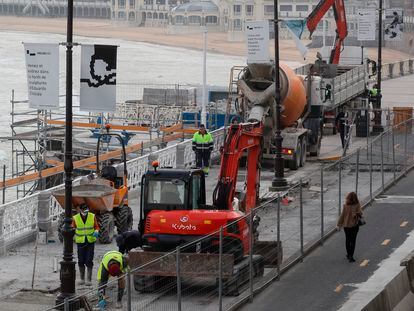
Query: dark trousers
point(85, 254)
point(350, 240)
point(202, 158)
point(342, 133)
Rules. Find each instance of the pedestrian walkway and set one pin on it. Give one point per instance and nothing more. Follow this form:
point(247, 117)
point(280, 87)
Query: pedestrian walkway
point(325, 280)
point(398, 92)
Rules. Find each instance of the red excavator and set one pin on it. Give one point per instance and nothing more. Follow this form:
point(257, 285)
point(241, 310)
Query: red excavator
point(341, 27)
point(174, 213)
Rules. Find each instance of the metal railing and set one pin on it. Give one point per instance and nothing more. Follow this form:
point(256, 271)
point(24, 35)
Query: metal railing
point(19, 218)
point(291, 226)
point(397, 69)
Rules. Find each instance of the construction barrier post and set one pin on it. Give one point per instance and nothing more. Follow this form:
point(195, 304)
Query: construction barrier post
point(357, 171)
point(322, 212)
point(4, 183)
point(278, 234)
point(393, 153)
point(370, 172)
point(251, 257)
point(221, 269)
point(302, 253)
point(340, 187)
point(66, 305)
point(2, 242)
point(382, 163)
point(405, 146)
point(368, 130)
point(129, 291)
point(178, 279)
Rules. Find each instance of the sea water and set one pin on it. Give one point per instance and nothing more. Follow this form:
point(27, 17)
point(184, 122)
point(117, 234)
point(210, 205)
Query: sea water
point(137, 62)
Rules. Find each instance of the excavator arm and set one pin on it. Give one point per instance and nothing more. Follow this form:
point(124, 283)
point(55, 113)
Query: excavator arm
point(241, 137)
point(341, 27)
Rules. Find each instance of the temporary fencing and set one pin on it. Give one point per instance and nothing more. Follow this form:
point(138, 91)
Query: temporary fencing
point(219, 271)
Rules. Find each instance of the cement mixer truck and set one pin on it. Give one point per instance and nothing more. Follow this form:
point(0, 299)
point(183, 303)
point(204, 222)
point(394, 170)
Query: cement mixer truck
point(306, 95)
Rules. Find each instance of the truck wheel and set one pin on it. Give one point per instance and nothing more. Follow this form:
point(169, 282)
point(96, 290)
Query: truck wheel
point(294, 164)
point(60, 226)
point(318, 146)
point(106, 227)
point(123, 219)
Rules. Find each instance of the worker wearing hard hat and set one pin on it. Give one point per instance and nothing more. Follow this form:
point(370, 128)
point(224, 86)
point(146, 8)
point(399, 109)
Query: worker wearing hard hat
point(113, 264)
point(202, 146)
point(86, 232)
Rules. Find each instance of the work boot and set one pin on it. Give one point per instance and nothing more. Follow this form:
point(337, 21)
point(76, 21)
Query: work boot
point(82, 275)
point(89, 277)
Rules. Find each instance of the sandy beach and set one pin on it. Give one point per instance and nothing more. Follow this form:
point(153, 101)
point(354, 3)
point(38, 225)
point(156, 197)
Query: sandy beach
point(217, 42)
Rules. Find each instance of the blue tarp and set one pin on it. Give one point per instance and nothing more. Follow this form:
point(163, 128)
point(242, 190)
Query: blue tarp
point(214, 121)
point(297, 26)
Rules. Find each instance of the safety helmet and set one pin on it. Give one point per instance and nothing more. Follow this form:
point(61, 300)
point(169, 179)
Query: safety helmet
point(114, 268)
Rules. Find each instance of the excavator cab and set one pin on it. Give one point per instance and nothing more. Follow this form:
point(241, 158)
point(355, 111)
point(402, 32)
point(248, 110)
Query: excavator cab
point(171, 190)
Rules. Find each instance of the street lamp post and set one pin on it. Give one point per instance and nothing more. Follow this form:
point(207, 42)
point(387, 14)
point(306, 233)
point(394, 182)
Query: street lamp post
point(204, 101)
point(279, 181)
point(67, 265)
point(377, 127)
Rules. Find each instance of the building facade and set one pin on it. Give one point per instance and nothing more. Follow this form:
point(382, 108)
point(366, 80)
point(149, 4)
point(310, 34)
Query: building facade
point(230, 16)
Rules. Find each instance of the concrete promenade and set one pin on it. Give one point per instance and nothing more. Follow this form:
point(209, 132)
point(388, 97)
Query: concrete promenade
point(326, 280)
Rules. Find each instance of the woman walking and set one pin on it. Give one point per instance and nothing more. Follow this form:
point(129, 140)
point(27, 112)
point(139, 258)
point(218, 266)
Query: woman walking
point(351, 212)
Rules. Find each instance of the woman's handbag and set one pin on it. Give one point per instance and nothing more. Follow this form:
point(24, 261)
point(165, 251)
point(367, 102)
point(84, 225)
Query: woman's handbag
point(361, 221)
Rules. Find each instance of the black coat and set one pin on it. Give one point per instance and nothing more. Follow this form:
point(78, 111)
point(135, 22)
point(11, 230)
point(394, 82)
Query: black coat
point(128, 240)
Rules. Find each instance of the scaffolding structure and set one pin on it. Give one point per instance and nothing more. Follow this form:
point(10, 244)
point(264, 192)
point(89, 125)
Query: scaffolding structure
point(34, 141)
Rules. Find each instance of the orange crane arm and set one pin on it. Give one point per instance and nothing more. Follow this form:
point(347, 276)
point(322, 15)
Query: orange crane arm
point(341, 26)
point(242, 137)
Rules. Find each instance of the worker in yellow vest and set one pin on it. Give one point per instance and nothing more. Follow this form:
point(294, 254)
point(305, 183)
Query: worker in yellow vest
point(86, 232)
point(113, 264)
point(203, 146)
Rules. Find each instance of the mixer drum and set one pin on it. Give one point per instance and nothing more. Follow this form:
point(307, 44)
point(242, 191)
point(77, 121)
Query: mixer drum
point(293, 94)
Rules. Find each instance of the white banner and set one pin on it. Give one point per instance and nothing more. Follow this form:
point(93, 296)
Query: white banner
point(299, 45)
point(42, 66)
point(393, 24)
point(257, 38)
point(98, 78)
point(367, 27)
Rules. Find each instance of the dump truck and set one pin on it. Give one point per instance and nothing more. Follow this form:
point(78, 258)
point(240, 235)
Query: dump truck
point(307, 95)
point(105, 192)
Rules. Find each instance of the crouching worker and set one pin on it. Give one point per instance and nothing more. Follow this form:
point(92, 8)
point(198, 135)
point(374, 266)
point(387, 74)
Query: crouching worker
point(128, 240)
point(113, 264)
point(86, 232)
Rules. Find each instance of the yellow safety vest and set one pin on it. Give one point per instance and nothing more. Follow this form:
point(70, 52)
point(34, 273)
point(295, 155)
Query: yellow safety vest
point(84, 230)
point(203, 142)
point(111, 255)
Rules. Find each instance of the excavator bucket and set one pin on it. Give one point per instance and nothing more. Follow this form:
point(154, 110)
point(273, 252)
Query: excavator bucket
point(191, 264)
